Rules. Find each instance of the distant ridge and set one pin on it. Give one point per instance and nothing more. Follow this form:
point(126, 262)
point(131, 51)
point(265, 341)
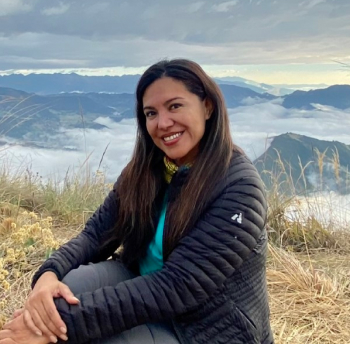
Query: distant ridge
point(234, 95)
point(29, 114)
point(73, 82)
point(33, 117)
point(58, 83)
point(337, 96)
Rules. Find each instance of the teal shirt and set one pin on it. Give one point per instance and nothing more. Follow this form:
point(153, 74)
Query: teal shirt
point(154, 256)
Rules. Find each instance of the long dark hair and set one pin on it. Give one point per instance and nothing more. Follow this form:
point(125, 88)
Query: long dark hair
point(142, 181)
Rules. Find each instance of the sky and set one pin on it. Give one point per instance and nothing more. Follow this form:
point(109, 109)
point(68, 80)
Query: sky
point(271, 41)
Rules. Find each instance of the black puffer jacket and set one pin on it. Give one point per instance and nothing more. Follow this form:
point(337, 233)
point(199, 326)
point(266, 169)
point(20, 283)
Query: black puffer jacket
point(212, 286)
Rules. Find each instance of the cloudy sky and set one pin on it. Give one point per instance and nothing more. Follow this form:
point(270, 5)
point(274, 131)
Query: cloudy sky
point(272, 41)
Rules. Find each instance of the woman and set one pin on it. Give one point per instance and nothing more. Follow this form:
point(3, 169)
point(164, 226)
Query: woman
point(188, 212)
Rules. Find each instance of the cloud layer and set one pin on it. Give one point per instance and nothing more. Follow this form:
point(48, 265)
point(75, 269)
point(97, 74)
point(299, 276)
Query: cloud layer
point(252, 127)
point(133, 33)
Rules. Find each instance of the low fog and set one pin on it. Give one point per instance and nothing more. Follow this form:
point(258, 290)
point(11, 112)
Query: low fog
point(253, 125)
point(329, 208)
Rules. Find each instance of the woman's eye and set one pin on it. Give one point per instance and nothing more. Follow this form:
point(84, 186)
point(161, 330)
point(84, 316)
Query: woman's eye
point(150, 113)
point(175, 106)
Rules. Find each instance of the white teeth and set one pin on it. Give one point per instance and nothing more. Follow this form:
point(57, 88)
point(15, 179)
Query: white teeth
point(172, 137)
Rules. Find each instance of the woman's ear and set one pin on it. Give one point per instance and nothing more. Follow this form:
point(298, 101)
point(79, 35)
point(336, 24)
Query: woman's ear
point(208, 104)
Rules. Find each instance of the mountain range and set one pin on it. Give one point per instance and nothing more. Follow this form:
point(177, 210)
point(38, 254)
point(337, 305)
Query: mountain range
point(36, 119)
point(27, 115)
point(72, 82)
point(59, 83)
point(277, 90)
point(337, 96)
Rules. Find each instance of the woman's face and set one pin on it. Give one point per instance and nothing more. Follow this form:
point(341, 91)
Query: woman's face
point(175, 119)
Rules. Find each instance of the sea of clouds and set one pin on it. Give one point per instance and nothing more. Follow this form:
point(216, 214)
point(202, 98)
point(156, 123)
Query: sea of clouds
point(252, 125)
point(329, 208)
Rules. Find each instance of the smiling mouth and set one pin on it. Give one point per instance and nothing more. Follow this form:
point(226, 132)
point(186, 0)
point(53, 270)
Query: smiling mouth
point(172, 137)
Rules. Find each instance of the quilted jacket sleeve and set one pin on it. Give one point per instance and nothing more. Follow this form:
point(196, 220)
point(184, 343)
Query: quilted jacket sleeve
point(217, 245)
point(85, 247)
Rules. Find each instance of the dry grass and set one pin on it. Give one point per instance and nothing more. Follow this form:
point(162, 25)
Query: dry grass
point(70, 199)
point(309, 295)
point(308, 267)
point(308, 305)
point(305, 220)
point(309, 264)
point(25, 242)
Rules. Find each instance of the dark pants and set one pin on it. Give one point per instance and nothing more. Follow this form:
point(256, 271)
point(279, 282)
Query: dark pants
point(88, 278)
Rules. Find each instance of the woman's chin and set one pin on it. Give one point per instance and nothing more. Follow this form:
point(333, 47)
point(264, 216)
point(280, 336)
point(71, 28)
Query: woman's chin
point(175, 158)
point(180, 158)
point(171, 154)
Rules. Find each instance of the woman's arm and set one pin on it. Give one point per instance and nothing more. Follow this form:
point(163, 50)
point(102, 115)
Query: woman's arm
point(86, 246)
point(202, 261)
point(40, 314)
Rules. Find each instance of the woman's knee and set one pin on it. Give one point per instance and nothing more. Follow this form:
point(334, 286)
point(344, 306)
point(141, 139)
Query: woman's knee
point(159, 333)
point(81, 280)
point(88, 278)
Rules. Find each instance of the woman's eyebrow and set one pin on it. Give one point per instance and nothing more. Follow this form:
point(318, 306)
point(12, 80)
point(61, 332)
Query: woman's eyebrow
point(167, 102)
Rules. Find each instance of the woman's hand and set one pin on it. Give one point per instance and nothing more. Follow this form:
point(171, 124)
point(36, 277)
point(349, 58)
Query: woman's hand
point(40, 314)
point(17, 313)
point(16, 332)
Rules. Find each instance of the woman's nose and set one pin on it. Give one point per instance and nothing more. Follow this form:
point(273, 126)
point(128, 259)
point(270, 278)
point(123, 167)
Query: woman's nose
point(164, 120)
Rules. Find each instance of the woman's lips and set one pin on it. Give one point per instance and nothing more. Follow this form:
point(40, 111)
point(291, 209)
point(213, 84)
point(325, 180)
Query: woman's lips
point(172, 139)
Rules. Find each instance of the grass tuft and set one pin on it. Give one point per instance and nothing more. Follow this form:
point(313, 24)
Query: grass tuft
point(308, 305)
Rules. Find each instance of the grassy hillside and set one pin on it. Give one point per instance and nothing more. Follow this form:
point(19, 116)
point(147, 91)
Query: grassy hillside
point(307, 163)
point(308, 267)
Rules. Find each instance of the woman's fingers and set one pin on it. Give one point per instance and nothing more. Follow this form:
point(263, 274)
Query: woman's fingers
point(35, 308)
point(7, 326)
point(4, 335)
point(54, 321)
point(30, 324)
point(7, 341)
point(67, 294)
point(38, 322)
point(42, 315)
point(17, 313)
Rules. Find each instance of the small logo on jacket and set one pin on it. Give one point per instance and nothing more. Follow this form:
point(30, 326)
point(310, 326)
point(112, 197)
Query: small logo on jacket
point(237, 217)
